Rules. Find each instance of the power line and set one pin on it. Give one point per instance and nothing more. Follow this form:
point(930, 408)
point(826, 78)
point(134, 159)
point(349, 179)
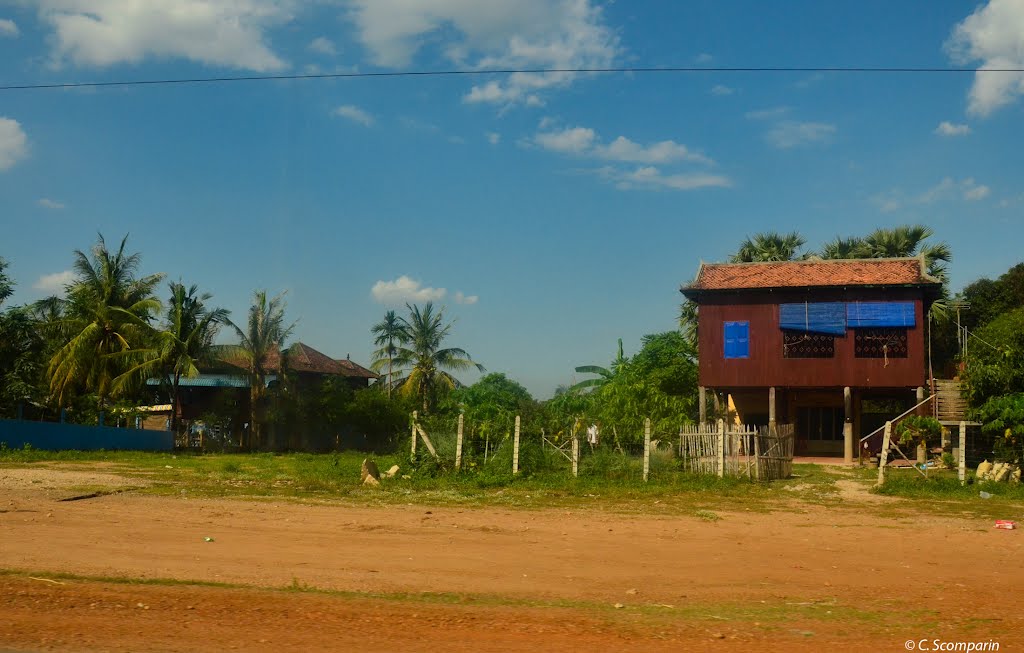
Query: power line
point(532, 71)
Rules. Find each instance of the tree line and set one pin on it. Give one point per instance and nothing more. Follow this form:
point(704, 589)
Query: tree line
point(95, 348)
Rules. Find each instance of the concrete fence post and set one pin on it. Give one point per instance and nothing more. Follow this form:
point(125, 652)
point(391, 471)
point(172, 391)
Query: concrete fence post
point(515, 449)
point(458, 444)
point(883, 456)
point(415, 418)
point(962, 466)
point(647, 448)
point(575, 455)
point(721, 448)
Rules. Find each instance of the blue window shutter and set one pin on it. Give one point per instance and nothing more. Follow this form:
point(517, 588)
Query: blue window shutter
point(814, 317)
point(737, 340)
point(880, 314)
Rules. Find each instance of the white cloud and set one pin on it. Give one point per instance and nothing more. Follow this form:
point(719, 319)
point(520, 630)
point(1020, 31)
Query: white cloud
point(704, 58)
point(13, 143)
point(461, 298)
point(47, 203)
point(418, 125)
point(574, 140)
point(947, 128)
point(623, 149)
point(946, 190)
point(936, 192)
point(405, 289)
point(213, 32)
point(355, 114)
point(533, 34)
point(790, 133)
point(774, 113)
point(967, 189)
point(810, 80)
point(584, 141)
point(493, 138)
point(721, 89)
point(323, 45)
point(994, 36)
point(651, 178)
point(973, 191)
point(8, 28)
point(54, 283)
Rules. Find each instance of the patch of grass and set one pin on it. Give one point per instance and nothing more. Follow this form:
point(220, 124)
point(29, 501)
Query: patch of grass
point(707, 515)
point(829, 611)
point(607, 481)
point(942, 492)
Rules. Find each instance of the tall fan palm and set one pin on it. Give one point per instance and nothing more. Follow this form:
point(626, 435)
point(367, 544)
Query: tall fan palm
point(604, 374)
point(107, 312)
point(185, 341)
point(843, 248)
point(264, 334)
point(423, 358)
point(769, 246)
point(390, 333)
point(908, 240)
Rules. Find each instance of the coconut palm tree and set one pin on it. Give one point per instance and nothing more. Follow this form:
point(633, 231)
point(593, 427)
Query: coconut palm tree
point(264, 334)
point(425, 361)
point(106, 313)
point(390, 333)
point(605, 375)
point(688, 319)
point(769, 246)
point(185, 341)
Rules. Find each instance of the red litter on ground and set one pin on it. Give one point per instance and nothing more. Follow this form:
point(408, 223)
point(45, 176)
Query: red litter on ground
point(1006, 524)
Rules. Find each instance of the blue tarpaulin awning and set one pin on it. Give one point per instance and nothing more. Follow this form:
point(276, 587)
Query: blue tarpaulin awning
point(814, 317)
point(880, 314)
point(215, 381)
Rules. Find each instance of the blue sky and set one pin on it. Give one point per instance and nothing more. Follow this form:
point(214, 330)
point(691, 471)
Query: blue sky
point(550, 214)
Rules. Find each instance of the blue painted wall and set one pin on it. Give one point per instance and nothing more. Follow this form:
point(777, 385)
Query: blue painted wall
point(53, 436)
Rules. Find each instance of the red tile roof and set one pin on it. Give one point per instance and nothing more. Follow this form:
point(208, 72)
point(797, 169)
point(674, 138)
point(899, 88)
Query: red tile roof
point(815, 273)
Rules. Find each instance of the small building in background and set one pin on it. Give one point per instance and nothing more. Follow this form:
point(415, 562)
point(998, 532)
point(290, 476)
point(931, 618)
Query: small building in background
point(214, 407)
point(834, 347)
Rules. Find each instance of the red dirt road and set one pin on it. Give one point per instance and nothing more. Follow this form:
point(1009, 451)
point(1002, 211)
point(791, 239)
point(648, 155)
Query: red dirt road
point(517, 580)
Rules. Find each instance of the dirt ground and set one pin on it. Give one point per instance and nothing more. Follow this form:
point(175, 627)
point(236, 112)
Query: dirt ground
point(418, 578)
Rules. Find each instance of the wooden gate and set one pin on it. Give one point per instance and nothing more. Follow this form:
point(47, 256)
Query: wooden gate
point(761, 453)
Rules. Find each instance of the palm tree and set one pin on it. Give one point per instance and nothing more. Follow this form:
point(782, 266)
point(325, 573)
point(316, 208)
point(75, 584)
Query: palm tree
point(264, 334)
point(843, 248)
point(390, 333)
point(908, 240)
point(688, 319)
point(423, 358)
point(6, 285)
point(107, 312)
point(185, 341)
point(769, 246)
point(605, 374)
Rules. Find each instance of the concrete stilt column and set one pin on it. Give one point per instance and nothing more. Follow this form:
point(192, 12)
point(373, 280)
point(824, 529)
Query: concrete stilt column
point(771, 407)
point(848, 444)
point(703, 404)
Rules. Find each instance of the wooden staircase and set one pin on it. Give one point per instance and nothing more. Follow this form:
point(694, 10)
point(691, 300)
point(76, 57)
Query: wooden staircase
point(949, 406)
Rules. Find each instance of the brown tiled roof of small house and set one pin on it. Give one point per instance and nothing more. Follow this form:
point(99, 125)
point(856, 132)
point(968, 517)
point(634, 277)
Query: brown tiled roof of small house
point(303, 358)
point(354, 369)
point(812, 273)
